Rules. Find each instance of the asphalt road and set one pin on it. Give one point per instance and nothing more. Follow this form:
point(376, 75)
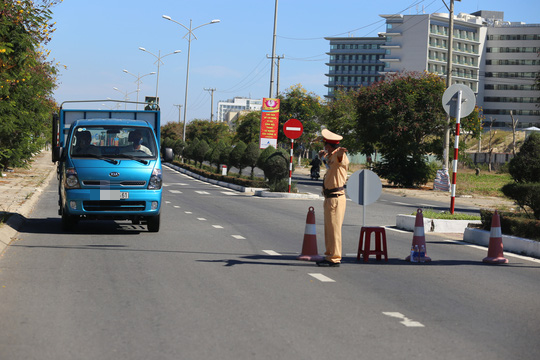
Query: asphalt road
point(221, 280)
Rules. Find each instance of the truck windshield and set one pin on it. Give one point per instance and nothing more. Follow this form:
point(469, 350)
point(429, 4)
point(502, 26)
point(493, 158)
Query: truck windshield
point(117, 141)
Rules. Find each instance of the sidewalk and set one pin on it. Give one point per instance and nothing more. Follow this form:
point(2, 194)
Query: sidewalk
point(19, 192)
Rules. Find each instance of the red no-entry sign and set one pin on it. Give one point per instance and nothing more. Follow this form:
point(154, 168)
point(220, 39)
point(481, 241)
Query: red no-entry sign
point(293, 129)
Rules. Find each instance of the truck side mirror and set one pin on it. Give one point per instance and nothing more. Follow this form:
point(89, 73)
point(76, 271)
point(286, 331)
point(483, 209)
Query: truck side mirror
point(169, 155)
point(57, 153)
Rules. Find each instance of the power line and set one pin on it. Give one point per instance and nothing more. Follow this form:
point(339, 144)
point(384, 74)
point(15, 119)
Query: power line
point(360, 28)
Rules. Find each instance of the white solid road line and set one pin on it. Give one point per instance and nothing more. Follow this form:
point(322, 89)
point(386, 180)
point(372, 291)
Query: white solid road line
point(483, 248)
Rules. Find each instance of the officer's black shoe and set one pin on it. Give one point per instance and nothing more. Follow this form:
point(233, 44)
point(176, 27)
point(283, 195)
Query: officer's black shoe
point(326, 263)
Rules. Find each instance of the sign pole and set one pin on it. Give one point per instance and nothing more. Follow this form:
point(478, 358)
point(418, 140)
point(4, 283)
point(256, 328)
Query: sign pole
point(458, 101)
point(364, 187)
point(456, 149)
point(292, 129)
point(364, 191)
point(290, 165)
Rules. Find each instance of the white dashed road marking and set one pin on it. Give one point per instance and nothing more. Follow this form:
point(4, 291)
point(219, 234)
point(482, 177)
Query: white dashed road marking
point(175, 191)
point(218, 226)
point(405, 321)
point(201, 219)
point(240, 237)
point(321, 277)
point(271, 253)
point(200, 192)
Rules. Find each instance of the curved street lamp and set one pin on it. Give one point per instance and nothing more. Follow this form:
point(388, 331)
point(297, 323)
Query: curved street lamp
point(189, 34)
point(159, 62)
point(138, 81)
point(126, 95)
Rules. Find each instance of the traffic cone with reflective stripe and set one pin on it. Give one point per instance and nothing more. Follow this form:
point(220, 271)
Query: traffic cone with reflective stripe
point(309, 247)
point(419, 237)
point(495, 248)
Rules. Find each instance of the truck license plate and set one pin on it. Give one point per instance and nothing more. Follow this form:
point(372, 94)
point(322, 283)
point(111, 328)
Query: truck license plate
point(113, 195)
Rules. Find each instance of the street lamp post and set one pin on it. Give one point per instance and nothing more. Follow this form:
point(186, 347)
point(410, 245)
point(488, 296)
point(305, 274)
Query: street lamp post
point(138, 81)
point(190, 33)
point(158, 62)
point(126, 95)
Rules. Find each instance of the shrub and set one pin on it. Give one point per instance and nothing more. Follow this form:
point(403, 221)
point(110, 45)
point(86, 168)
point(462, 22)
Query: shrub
point(407, 171)
point(256, 183)
point(513, 224)
point(525, 170)
point(200, 151)
point(525, 166)
point(265, 154)
point(276, 167)
point(235, 157)
point(526, 196)
point(251, 156)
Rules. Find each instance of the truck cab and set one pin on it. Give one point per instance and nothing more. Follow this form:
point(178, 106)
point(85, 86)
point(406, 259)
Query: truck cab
point(109, 166)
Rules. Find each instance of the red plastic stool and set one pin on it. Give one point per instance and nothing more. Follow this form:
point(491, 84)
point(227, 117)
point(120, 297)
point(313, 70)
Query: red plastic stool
point(365, 242)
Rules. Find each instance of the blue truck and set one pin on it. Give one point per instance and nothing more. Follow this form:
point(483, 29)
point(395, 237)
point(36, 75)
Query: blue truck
point(109, 165)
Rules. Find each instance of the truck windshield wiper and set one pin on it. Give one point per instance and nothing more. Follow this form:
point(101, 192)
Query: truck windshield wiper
point(100, 157)
point(131, 157)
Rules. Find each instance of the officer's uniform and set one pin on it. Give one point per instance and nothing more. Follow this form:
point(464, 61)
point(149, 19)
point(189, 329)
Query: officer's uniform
point(334, 199)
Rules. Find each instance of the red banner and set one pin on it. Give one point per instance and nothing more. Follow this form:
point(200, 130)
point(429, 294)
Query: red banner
point(269, 123)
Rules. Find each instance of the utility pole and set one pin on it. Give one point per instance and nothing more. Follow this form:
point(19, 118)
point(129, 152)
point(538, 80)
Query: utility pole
point(211, 103)
point(276, 64)
point(277, 83)
point(273, 51)
point(179, 107)
point(448, 79)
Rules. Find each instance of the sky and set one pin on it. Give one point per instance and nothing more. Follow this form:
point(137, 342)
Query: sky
point(96, 40)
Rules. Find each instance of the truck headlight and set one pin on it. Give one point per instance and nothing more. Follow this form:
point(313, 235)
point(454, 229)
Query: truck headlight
point(156, 180)
point(72, 180)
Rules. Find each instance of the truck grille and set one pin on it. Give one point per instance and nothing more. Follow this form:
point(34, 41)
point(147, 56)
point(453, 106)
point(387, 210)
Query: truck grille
point(126, 183)
point(113, 205)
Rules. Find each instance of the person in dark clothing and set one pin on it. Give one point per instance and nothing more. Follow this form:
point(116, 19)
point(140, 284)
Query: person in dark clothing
point(315, 167)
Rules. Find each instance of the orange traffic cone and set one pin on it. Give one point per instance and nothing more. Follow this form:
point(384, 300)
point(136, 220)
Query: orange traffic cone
point(419, 237)
point(309, 247)
point(495, 248)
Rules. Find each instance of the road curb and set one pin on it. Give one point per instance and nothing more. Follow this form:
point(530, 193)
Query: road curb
point(511, 244)
point(11, 227)
point(255, 191)
point(406, 222)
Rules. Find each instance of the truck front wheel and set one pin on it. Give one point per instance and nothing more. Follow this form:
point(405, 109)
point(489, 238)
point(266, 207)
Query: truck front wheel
point(152, 223)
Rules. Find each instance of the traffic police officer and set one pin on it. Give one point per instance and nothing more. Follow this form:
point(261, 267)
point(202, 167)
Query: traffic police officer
point(334, 181)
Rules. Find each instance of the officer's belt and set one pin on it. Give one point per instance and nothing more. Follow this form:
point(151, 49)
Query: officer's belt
point(330, 193)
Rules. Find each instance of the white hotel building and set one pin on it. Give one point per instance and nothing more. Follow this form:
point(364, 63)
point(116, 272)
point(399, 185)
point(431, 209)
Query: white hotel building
point(498, 60)
point(229, 109)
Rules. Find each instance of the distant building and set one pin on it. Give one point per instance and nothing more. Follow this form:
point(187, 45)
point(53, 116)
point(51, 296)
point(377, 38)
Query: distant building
point(498, 60)
point(420, 43)
point(512, 62)
point(354, 62)
point(229, 109)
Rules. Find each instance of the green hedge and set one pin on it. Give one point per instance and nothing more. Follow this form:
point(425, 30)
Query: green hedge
point(225, 178)
point(513, 224)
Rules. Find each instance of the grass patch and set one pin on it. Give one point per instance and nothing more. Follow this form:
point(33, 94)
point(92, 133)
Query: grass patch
point(485, 184)
point(445, 215)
